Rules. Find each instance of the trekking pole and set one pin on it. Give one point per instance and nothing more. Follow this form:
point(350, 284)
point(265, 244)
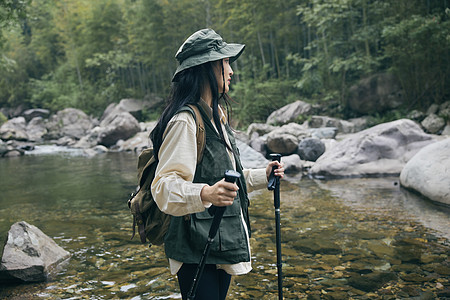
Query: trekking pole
point(217, 211)
point(274, 185)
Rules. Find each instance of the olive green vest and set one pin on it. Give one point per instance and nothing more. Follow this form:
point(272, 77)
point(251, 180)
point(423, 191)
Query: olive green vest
point(186, 237)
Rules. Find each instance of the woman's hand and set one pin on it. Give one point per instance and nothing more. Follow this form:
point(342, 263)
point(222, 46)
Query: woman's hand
point(222, 193)
point(279, 171)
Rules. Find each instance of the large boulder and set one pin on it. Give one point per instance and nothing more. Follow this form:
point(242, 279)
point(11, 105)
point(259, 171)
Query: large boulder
point(14, 129)
point(36, 129)
point(375, 94)
point(289, 113)
point(70, 122)
point(133, 106)
point(311, 149)
point(428, 172)
point(285, 139)
point(381, 150)
point(117, 127)
point(29, 255)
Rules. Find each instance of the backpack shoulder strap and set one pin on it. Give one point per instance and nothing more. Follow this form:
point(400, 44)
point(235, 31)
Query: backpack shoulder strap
point(200, 132)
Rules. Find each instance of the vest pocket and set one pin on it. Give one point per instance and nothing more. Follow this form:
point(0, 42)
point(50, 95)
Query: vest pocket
point(230, 235)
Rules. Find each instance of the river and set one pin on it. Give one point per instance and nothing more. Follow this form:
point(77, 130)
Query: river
point(341, 239)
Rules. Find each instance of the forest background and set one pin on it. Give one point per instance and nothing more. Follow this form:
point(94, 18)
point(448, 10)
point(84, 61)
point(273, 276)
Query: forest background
point(87, 54)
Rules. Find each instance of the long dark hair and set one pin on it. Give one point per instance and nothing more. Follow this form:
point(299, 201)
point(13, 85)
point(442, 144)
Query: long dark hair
point(188, 90)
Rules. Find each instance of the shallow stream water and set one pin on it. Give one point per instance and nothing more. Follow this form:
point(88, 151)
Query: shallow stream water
point(341, 239)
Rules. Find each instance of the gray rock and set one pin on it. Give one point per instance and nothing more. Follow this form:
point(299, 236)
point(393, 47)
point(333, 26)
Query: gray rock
point(36, 129)
point(117, 127)
point(148, 126)
point(242, 136)
point(289, 113)
point(416, 115)
point(433, 124)
point(260, 129)
point(292, 164)
point(323, 121)
point(311, 149)
point(283, 143)
point(428, 172)
point(137, 143)
point(324, 132)
point(14, 129)
point(133, 106)
point(359, 123)
point(259, 144)
point(446, 130)
point(297, 130)
point(250, 158)
point(381, 150)
point(69, 122)
point(30, 114)
point(99, 149)
point(374, 94)
point(29, 255)
point(285, 139)
point(3, 148)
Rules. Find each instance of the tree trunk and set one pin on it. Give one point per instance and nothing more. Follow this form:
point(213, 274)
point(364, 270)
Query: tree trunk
point(366, 41)
point(261, 49)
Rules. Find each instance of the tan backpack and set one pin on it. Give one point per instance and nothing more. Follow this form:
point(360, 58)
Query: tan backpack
point(151, 222)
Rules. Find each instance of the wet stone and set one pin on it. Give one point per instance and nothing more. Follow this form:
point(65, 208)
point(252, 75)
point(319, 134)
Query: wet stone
point(408, 268)
point(380, 249)
point(333, 282)
point(372, 281)
point(413, 277)
point(443, 293)
point(317, 246)
point(335, 296)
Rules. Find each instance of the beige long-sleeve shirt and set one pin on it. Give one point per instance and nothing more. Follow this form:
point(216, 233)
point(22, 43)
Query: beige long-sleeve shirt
point(173, 189)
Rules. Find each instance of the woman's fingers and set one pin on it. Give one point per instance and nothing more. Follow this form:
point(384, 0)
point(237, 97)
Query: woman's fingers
point(279, 171)
point(220, 194)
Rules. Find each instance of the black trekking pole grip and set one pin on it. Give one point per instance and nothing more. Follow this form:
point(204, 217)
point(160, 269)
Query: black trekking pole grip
point(217, 211)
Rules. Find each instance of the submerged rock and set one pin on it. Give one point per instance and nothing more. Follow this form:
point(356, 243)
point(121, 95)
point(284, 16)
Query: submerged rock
point(29, 255)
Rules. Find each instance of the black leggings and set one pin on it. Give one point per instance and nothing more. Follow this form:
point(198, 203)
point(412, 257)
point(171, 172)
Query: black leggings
point(213, 284)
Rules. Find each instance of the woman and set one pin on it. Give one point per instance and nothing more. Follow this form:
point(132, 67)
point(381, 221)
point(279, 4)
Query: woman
point(184, 188)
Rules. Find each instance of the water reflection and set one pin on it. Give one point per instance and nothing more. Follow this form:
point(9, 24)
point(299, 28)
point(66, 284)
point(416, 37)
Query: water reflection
point(341, 239)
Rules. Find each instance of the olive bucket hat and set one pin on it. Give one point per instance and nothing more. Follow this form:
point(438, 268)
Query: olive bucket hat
point(203, 46)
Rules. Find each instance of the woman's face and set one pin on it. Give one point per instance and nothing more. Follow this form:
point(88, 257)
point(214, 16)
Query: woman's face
point(227, 72)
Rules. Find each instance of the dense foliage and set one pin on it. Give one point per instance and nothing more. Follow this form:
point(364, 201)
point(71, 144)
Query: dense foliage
point(87, 54)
